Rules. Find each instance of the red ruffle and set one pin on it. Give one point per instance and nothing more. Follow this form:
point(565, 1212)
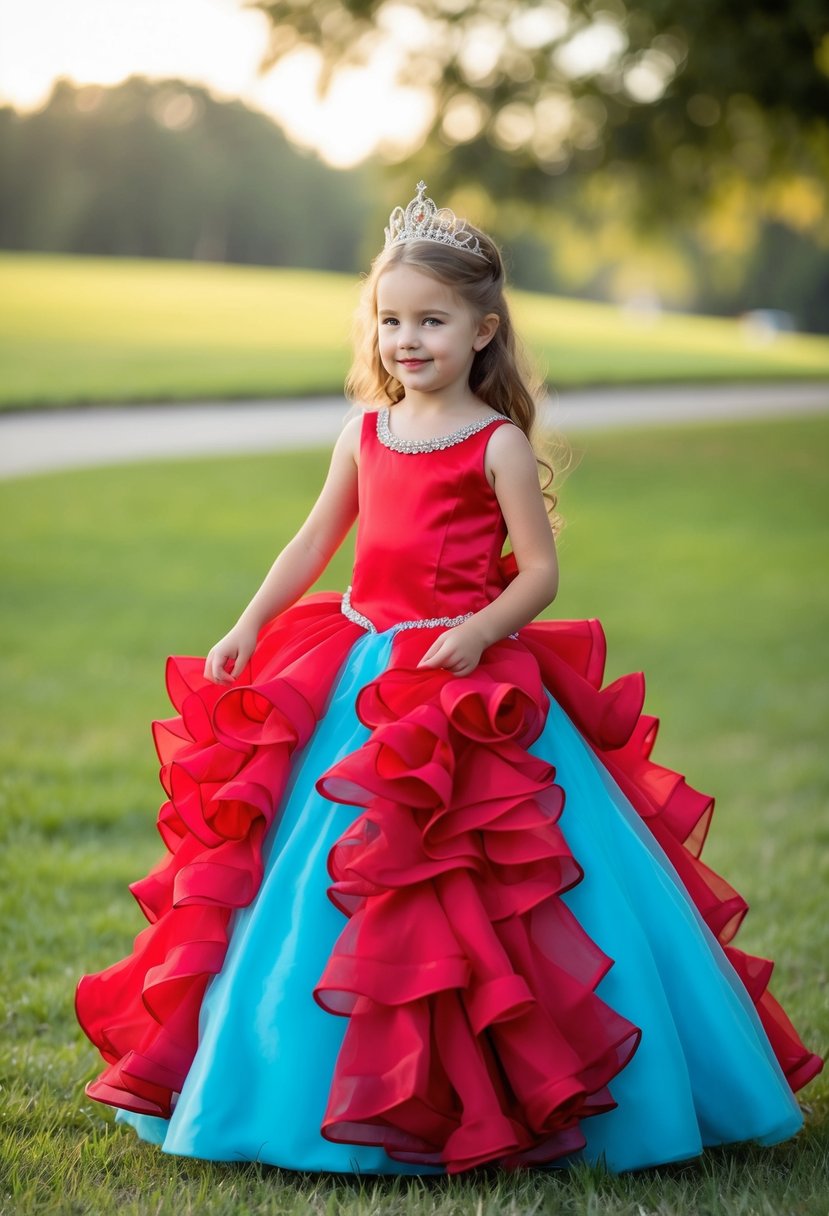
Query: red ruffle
point(475, 1034)
point(225, 759)
point(571, 658)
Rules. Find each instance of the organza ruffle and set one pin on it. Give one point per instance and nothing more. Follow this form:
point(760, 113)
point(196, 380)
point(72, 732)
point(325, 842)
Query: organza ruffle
point(475, 1033)
point(225, 759)
point(571, 658)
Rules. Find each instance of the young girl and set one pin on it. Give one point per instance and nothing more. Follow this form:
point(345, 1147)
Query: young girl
point(428, 904)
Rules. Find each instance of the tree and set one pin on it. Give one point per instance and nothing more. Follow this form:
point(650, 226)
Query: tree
point(670, 93)
point(163, 169)
point(698, 123)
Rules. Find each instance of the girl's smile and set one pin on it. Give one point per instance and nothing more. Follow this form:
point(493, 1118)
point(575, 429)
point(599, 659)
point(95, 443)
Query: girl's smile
point(427, 335)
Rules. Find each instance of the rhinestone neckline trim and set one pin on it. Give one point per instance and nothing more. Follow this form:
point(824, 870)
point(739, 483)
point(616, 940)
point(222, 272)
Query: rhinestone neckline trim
point(429, 622)
point(411, 446)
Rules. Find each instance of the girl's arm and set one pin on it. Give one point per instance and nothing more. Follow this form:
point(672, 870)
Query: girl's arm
point(510, 457)
point(301, 561)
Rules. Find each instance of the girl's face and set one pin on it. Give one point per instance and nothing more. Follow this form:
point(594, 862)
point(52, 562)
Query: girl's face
point(426, 333)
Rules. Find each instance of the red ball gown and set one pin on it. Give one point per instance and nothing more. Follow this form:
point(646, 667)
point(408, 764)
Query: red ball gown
point(409, 922)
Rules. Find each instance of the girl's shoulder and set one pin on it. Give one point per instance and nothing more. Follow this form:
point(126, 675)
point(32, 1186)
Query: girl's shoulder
point(508, 449)
point(356, 425)
point(360, 411)
point(506, 437)
point(349, 438)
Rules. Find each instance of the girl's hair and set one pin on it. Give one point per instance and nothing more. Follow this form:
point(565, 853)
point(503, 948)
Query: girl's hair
point(502, 373)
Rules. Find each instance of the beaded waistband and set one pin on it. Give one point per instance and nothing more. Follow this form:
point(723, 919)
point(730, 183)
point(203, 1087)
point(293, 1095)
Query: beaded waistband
point(424, 623)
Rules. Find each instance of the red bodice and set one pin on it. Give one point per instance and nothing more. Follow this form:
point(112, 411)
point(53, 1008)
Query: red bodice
point(430, 529)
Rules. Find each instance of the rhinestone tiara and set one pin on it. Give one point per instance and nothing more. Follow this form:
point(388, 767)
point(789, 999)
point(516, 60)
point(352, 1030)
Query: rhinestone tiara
point(423, 221)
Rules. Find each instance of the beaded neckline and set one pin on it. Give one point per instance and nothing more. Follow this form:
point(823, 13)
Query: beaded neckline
point(396, 444)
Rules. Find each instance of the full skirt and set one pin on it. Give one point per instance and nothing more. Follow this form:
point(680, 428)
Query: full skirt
point(586, 1006)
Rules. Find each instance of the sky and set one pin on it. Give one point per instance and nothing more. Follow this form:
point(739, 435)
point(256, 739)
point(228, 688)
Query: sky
point(213, 42)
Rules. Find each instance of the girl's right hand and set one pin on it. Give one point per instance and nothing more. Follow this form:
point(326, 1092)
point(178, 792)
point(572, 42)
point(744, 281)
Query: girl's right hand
point(230, 654)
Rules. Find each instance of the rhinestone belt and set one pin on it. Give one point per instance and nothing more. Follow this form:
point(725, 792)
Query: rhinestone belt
point(423, 623)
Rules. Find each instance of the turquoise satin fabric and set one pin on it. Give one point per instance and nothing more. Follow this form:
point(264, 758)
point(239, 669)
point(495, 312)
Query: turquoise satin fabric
point(704, 1072)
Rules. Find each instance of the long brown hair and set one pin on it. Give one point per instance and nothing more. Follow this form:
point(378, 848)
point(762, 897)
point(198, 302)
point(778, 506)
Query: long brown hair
point(502, 373)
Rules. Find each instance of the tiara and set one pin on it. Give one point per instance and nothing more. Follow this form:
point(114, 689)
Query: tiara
point(423, 221)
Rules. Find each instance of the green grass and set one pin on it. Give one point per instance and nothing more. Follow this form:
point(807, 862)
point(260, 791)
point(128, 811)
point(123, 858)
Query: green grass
point(702, 550)
point(81, 330)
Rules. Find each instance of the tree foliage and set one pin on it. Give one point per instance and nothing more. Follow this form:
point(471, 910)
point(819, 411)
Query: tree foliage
point(163, 169)
point(672, 94)
point(598, 137)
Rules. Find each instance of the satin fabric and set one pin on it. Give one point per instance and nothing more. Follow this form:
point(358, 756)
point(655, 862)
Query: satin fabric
point(429, 531)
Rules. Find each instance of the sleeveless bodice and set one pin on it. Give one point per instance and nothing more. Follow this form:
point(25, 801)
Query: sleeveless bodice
point(430, 529)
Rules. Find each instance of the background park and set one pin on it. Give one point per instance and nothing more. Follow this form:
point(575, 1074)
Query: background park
point(177, 227)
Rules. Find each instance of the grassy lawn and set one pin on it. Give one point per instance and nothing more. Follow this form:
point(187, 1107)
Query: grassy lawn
point(703, 551)
point(76, 330)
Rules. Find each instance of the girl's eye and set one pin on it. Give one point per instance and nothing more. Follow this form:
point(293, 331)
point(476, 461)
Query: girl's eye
point(393, 320)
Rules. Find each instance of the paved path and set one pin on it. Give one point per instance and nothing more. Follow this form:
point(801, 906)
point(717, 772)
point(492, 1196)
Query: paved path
point(37, 441)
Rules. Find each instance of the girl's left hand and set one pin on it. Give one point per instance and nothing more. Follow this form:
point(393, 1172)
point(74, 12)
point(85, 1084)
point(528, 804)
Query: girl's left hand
point(458, 650)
